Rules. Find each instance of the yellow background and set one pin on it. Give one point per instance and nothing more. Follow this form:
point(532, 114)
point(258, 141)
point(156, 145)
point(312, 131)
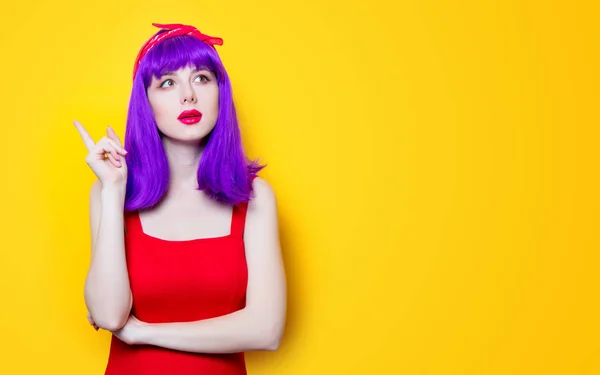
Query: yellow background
point(436, 165)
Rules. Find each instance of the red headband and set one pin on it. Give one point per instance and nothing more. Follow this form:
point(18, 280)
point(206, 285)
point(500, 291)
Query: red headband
point(173, 30)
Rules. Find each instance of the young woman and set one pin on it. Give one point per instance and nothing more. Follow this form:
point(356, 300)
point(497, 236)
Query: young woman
point(186, 268)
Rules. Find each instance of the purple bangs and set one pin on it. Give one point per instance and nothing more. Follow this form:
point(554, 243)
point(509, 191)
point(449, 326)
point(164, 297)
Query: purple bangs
point(225, 173)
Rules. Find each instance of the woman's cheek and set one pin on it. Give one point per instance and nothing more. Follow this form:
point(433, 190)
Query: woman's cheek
point(161, 112)
point(215, 103)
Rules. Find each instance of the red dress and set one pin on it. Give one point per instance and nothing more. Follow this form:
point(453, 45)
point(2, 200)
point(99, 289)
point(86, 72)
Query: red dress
point(179, 281)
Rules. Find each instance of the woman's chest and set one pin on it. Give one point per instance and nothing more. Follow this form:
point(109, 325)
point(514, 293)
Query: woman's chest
point(187, 218)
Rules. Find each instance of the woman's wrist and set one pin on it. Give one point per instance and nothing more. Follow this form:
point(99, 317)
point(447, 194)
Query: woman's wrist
point(142, 335)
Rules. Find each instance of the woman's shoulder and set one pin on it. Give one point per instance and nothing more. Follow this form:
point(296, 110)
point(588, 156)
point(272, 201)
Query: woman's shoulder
point(263, 191)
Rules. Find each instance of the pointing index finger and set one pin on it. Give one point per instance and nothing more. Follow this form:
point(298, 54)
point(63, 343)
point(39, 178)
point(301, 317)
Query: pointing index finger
point(87, 139)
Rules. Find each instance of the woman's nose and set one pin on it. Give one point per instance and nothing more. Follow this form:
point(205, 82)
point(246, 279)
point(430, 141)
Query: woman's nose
point(189, 96)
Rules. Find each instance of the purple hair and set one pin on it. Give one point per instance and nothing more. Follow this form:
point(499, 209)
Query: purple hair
point(224, 174)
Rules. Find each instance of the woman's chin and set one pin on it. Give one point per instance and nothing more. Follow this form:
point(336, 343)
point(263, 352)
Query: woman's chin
point(190, 134)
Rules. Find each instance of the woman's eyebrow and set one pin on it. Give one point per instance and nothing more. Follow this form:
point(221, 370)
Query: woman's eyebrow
point(193, 71)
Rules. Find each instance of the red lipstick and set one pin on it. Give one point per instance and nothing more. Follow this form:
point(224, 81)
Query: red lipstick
point(190, 117)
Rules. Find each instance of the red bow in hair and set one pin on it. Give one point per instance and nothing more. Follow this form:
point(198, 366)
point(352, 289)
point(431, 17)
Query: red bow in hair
point(174, 29)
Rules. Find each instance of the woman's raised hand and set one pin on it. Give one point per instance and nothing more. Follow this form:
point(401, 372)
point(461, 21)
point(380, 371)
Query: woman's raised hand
point(106, 157)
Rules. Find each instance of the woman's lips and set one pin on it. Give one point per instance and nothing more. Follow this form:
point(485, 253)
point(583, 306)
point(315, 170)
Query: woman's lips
point(190, 120)
point(190, 117)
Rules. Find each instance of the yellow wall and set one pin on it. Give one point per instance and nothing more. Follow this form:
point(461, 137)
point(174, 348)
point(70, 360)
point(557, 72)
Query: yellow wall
point(435, 161)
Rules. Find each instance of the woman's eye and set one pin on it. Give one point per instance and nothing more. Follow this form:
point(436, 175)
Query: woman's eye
point(163, 84)
point(202, 75)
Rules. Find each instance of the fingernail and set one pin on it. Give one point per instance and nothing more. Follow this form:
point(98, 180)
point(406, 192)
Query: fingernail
point(125, 152)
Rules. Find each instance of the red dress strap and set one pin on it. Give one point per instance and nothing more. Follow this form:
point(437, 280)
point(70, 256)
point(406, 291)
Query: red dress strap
point(132, 222)
point(238, 219)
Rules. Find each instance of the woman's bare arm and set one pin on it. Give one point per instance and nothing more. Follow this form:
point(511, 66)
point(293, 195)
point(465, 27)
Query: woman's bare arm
point(107, 291)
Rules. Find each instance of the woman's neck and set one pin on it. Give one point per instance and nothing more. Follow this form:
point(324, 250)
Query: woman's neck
point(183, 159)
